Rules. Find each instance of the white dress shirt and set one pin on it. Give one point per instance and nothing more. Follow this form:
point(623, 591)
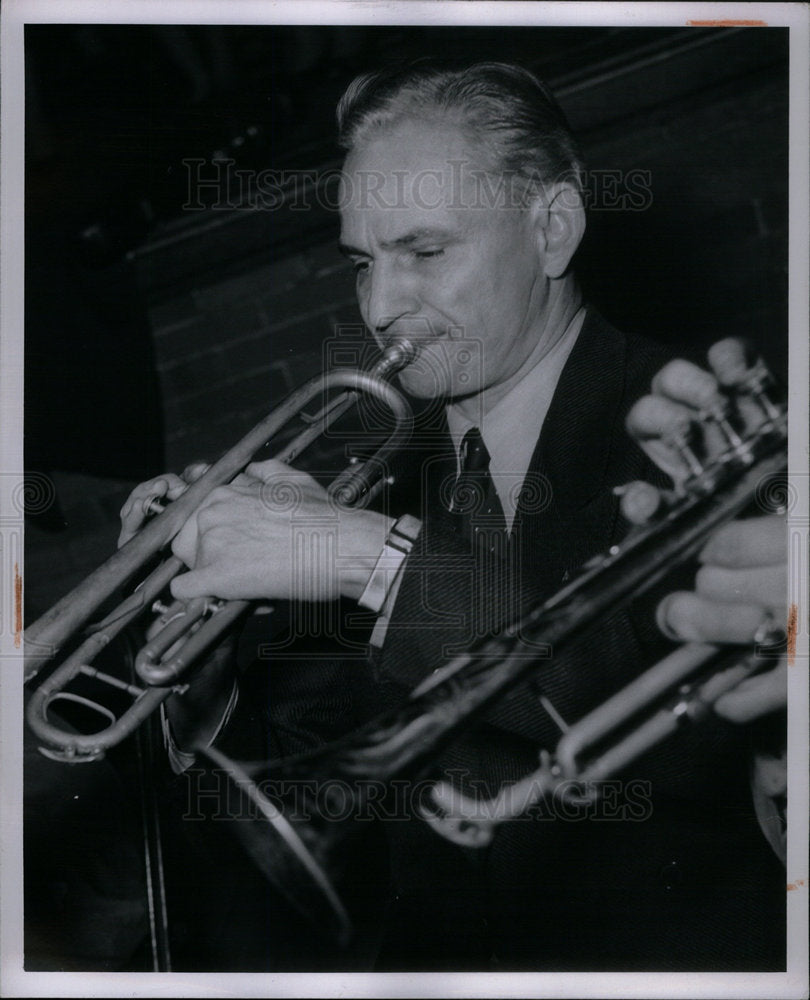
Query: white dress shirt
point(512, 427)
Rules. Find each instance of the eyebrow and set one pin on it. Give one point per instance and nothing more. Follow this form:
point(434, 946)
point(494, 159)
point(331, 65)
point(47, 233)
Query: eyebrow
point(406, 240)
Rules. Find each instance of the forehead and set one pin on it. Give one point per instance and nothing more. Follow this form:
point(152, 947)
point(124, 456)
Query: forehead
point(419, 171)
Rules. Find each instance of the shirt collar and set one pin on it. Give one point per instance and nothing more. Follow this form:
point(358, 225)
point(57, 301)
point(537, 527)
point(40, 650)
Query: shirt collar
point(511, 428)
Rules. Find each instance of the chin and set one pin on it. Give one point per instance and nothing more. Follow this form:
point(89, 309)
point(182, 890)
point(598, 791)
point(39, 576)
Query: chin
point(442, 369)
point(423, 384)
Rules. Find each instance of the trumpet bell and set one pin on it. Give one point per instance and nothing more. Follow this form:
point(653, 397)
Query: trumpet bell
point(297, 833)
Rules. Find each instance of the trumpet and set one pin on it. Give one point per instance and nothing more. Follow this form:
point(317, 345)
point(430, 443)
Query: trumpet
point(298, 849)
point(187, 630)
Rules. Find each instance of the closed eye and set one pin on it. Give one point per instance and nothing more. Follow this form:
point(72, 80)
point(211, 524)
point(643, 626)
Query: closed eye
point(427, 254)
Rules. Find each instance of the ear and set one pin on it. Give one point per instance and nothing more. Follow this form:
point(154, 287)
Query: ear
point(560, 221)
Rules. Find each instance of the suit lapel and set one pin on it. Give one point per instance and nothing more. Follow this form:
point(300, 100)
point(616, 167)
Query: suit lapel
point(564, 510)
point(572, 465)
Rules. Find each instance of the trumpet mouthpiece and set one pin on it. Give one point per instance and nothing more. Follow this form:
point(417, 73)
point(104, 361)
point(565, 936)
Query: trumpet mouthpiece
point(398, 355)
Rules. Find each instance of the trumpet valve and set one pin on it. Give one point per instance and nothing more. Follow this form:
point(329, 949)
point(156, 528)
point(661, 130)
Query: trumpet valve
point(154, 505)
point(680, 441)
point(756, 384)
point(720, 416)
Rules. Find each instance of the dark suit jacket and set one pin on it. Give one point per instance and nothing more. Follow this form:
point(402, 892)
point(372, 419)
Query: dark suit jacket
point(671, 871)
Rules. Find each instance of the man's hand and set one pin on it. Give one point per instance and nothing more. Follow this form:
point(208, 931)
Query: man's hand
point(743, 575)
point(163, 488)
point(197, 714)
point(274, 533)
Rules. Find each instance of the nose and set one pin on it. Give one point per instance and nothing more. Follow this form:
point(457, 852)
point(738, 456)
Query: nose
point(390, 295)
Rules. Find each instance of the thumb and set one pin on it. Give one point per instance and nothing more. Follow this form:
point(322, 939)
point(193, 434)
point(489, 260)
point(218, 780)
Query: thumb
point(639, 501)
point(195, 471)
point(756, 696)
point(269, 468)
point(195, 583)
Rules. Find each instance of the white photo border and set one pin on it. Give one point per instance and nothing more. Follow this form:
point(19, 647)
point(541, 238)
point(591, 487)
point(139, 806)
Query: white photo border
point(15, 14)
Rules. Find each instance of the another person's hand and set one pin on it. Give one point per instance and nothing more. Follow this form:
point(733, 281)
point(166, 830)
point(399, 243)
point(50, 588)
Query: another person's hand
point(742, 581)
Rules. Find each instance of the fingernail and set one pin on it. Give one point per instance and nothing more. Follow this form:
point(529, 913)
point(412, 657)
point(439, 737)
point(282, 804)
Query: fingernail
point(661, 618)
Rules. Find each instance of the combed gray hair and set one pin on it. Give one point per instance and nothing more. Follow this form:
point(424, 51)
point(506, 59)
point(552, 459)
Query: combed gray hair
point(500, 104)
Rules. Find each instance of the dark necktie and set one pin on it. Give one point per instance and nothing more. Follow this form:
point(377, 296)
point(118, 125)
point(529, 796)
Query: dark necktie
point(475, 499)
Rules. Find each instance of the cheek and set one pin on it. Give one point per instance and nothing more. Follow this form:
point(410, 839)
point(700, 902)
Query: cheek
point(508, 297)
point(445, 367)
point(483, 288)
point(361, 297)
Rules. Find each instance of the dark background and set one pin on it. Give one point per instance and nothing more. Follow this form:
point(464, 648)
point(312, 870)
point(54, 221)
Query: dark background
point(156, 334)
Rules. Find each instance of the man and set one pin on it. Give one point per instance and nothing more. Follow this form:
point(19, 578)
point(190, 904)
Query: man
point(461, 211)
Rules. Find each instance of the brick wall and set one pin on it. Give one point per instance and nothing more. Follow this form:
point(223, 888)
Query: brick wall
point(229, 351)
point(707, 258)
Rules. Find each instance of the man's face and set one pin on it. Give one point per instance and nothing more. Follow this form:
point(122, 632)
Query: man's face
point(443, 259)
